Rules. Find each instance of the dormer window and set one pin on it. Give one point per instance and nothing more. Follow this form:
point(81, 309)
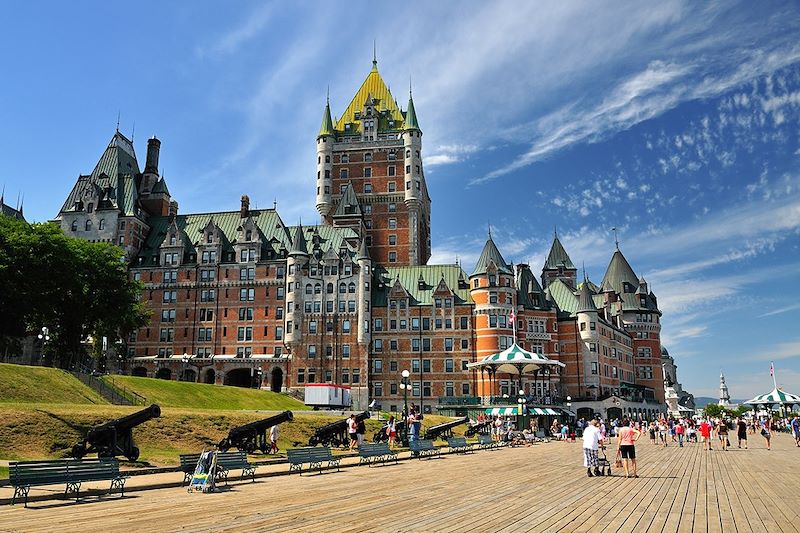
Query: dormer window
point(173, 240)
point(209, 237)
point(248, 235)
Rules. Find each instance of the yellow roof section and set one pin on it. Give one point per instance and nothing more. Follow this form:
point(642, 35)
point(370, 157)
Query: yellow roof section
point(375, 86)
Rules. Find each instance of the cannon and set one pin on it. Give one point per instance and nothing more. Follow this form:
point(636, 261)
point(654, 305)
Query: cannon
point(480, 428)
point(381, 436)
point(335, 433)
point(253, 436)
point(115, 437)
point(444, 430)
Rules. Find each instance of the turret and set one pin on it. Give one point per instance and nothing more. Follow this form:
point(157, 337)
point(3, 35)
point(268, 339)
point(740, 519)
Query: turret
point(296, 260)
point(364, 295)
point(558, 265)
point(412, 145)
point(325, 141)
point(587, 313)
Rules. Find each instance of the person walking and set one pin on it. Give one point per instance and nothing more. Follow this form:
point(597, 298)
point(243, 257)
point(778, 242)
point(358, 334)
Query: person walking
point(352, 431)
point(391, 431)
point(627, 446)
point(722, 431)
point(741, 432)
point(679, 430)
point(591, 444)
point(796, 430)
point(273, 439)
point(765, 432)
point(361, 430)
point(497, 431)
point(652, 431)
point(705, 434)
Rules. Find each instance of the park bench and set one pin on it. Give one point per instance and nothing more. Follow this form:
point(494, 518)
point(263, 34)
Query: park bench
point(375, 453)
point(459, 445)
point(485, 442)
point(72, 472)
point(313, 456)
point(226, 461)
point(424, 448)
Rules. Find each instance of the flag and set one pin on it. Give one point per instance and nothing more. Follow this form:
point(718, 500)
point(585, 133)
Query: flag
point(513, 317)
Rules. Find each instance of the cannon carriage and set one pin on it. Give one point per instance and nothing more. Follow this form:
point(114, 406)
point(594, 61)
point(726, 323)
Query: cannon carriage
point(382, 436)
point(445, 430)
point(335, 433)
point(115, 437)
point(253, 436)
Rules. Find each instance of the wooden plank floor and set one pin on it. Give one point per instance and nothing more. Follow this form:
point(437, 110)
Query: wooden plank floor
point(542, 488)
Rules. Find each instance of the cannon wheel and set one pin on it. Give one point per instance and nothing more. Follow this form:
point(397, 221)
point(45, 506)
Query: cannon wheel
point(134, 455)
point(79, 450)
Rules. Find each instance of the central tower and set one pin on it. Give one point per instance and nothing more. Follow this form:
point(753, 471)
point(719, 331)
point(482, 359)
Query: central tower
point(370, 175)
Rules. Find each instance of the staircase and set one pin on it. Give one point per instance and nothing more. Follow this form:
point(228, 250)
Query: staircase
point(115, 394)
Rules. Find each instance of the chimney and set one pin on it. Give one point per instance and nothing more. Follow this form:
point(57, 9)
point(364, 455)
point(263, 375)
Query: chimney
point(173, 210)
point(153, 149)
point(245, 206)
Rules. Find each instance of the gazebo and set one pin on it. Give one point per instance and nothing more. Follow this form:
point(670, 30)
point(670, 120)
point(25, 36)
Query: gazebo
point(516, 361)
point(776, 397)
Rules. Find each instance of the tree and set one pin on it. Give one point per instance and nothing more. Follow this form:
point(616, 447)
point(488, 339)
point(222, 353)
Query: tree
point(76, 288)
point(712, 410)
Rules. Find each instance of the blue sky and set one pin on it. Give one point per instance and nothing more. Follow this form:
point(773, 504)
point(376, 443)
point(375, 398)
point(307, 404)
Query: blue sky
point(675, 122)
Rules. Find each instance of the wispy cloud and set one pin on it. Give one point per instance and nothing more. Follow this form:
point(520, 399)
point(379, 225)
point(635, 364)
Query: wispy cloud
point(783, 350)
point(232, 40)
point(786, 309)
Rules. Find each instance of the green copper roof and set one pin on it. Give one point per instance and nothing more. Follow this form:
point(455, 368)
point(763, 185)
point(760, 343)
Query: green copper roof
point(363, 252)
point(112, 182)
point(348, 204)
point(585, 300)
point(160, 187)
point(563, 296)
point(411, 116)
point(409, 277)
point(327, 122)
point(298, 243)
point(528, 290)
point(490, 254)
point(558, 257)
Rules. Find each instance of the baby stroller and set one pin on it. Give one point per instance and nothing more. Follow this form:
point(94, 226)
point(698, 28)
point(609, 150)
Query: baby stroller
point(603, 464)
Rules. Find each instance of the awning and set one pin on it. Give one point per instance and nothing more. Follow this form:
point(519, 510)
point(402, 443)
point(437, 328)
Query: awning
point(545, 411)
point(501, 411)
point(775, 397)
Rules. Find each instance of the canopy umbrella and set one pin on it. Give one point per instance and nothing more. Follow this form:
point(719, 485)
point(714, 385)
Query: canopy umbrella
point(776, 397)
point(515, 360)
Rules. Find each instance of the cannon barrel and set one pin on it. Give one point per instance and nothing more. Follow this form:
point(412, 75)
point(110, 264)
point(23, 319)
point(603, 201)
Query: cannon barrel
point(334, 433)
point(479, 428)
point(444, 429)
point(116, 436)
point(249, 437)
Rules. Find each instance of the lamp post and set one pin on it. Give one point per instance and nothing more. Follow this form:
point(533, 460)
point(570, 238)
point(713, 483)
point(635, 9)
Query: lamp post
point(569, 405)
point(44, 336)
point(404, 385)
point(259, 374)
point(185, 361)
point(521, 401)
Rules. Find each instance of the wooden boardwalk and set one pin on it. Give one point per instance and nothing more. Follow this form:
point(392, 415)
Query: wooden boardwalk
point(541, 488)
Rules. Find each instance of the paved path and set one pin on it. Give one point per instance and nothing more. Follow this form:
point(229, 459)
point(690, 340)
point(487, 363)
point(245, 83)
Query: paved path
point(541, 488)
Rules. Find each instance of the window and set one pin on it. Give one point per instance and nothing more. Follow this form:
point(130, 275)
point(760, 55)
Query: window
point(247, 295)
point(356, 376)
point(207, 295)
point(414, 345)
point(312, 351)
point(345, 326)
point(415, 389)
point(426, 344)
point(367, 173)
point(448, 346)
point(207, 275)
point(392, 257)
point(209, 256)
point(170, 276)
point(170, 296)
point(301, 375)
point(168, 315)
point(247, 256)
point(378, 345)
point(448, 365)
point(594, 368)
point(392, 208)
point(278, 333)
point(167, 335)
point(392, 240)
point(393, 345)
point(244, 334)
point(392, 170)
point(74, 225)
point(343, 174)
point(377, 389)
point(449, 389)
point(245, 313)
point(345, 351)
point(392, 223)
point(378, 324)
point(392, 187)
point(367, 187)
point(345, 158)
point(426, 365)
point(415, 365)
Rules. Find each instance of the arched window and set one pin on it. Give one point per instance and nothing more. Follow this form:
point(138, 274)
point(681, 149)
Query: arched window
point(342, 288)
point(351, 288)
point(90, 208)
point(408, 154)
point(88, 225)
point(308, 288)
point(318, 288)
point(329, 288)
point(102, 224)
point(248, 235)
point(74, 225)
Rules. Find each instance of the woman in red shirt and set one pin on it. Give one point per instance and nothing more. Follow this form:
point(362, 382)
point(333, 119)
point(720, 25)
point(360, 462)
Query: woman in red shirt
point(627, 449)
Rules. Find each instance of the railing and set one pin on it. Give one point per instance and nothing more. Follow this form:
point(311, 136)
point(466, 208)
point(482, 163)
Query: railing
point(112, 392)
point(529, 400)
point(459, 400)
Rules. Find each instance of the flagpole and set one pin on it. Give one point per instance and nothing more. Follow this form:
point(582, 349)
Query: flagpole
point(772, 372)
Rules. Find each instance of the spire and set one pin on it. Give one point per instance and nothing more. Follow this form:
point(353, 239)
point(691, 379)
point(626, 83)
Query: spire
point(489, 254)
point(616, 238)
point(363, 253)
point(411, 114)
point(585, 300)
point(327, 123)
point(558, 257)
point(374, 54)
point(299, 242)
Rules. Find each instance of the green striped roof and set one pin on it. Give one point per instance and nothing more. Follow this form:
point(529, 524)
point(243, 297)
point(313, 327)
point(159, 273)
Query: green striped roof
point(563, 296)
point(490, 254)
point(409, 276)
point(775, 397)
point(558, 257)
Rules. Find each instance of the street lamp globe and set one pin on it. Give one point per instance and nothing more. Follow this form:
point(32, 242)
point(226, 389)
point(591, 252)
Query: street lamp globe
point(405, 373)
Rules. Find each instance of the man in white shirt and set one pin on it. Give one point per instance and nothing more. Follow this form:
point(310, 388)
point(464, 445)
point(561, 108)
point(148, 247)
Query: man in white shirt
point(591, 443)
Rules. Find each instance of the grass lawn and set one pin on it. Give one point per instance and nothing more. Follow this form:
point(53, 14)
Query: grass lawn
point(31, 431)
point(201, 396)
point(19, 383)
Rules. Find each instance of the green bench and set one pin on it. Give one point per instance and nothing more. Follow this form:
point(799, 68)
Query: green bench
point(72, 472)
point(459, 445)
point(424, 448)
point(226, 461)
point(485, 442)
point(375, 453)
point(313, 456)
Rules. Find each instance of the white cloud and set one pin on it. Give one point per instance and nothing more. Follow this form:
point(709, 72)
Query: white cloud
point(449, 153)
point(781, 310)
point(232, 40)
point(781, 351)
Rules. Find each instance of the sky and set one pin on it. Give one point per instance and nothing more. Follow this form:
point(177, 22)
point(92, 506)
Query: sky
point(675, 122)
